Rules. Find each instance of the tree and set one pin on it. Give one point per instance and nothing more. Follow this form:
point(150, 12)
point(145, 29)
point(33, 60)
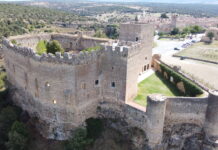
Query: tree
point(112, 31)
point(175, 31)
point(53, 47)
point(164, 16)
point(94, 128)
point(210, 35)
point(7, 116)
point(18, 137)
point(136, 18)
point(186, 30)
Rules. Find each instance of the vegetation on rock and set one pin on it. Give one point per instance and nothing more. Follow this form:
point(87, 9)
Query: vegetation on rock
point(18, 137)
point(96, 48)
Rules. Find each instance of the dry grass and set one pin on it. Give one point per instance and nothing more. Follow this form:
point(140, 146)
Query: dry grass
point(202, 51)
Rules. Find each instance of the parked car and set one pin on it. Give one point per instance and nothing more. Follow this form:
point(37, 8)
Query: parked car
point(176, 48)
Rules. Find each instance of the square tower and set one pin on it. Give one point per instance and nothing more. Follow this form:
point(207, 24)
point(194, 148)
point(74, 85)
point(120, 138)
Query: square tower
point(135, 32)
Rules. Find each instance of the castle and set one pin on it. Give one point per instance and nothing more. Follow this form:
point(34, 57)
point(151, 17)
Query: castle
point(62, 91)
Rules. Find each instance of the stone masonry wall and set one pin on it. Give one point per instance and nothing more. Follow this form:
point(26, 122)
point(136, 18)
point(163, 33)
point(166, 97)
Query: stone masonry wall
point(185, 110)
point(139, 59)
point(70, 82)
point(65, 90)
point(63, 82)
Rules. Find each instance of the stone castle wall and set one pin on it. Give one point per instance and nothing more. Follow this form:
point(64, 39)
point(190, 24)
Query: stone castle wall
point(65, 90)
point(186, 110)
point(139, 58)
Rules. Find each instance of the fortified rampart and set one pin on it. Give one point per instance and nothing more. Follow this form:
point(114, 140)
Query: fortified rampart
point(63, 90)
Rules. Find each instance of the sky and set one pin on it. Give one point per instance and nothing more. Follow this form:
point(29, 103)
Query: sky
point(163, 1)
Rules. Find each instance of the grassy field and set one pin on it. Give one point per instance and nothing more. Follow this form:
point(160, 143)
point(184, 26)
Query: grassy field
point(152, 85)
point(202, 51)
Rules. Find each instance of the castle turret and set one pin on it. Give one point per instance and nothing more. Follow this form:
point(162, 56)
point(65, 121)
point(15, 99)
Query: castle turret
point(174, 20)
point(211, 122)
point(156, 106)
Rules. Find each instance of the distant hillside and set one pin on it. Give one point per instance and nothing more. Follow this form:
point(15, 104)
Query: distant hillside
point(16, 19)
point(154, 1)
point(197, 8)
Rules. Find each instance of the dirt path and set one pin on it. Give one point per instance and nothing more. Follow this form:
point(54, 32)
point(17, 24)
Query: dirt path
point(203, 72)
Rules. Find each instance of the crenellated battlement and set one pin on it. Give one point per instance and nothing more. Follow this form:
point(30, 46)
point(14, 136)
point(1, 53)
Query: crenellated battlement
point(66, 57)
point(123, 48)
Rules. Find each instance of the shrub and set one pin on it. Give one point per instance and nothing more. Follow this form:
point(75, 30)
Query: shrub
point(53, 47)
point(18, 137)
point(175, 31)
point(14, 42)
point(164, 15)
point(2, 80)
point(190, 88)
point(112, 31)
point(7, 116)
point(94, 128)
point(79, 141)
point(210, 35)
point(41, 47)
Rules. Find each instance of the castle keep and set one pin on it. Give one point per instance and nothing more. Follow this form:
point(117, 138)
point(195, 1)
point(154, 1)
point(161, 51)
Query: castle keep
point(63, 90)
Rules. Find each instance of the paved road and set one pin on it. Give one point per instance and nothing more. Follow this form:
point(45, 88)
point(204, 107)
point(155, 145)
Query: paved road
point(204, 72)
point(166, 47)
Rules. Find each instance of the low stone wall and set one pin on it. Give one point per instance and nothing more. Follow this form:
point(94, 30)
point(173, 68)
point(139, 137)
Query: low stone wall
point(202, 60)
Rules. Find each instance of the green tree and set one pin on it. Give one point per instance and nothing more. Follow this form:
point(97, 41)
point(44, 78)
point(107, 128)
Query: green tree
point(112, 31)
point(186, 30)
point(94, 128)
point(164, 16)
point(53, 47)
point(18, 137)
point(7, 116)
point(161, 34)
point(210, 35)
point(175, 31)
point(79, 141)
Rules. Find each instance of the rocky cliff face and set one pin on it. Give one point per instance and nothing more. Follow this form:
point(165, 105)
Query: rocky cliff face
point(117, 135)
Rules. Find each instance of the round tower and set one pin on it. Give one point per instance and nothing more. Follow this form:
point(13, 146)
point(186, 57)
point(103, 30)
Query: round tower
point(211, 121)
point(156, 107)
